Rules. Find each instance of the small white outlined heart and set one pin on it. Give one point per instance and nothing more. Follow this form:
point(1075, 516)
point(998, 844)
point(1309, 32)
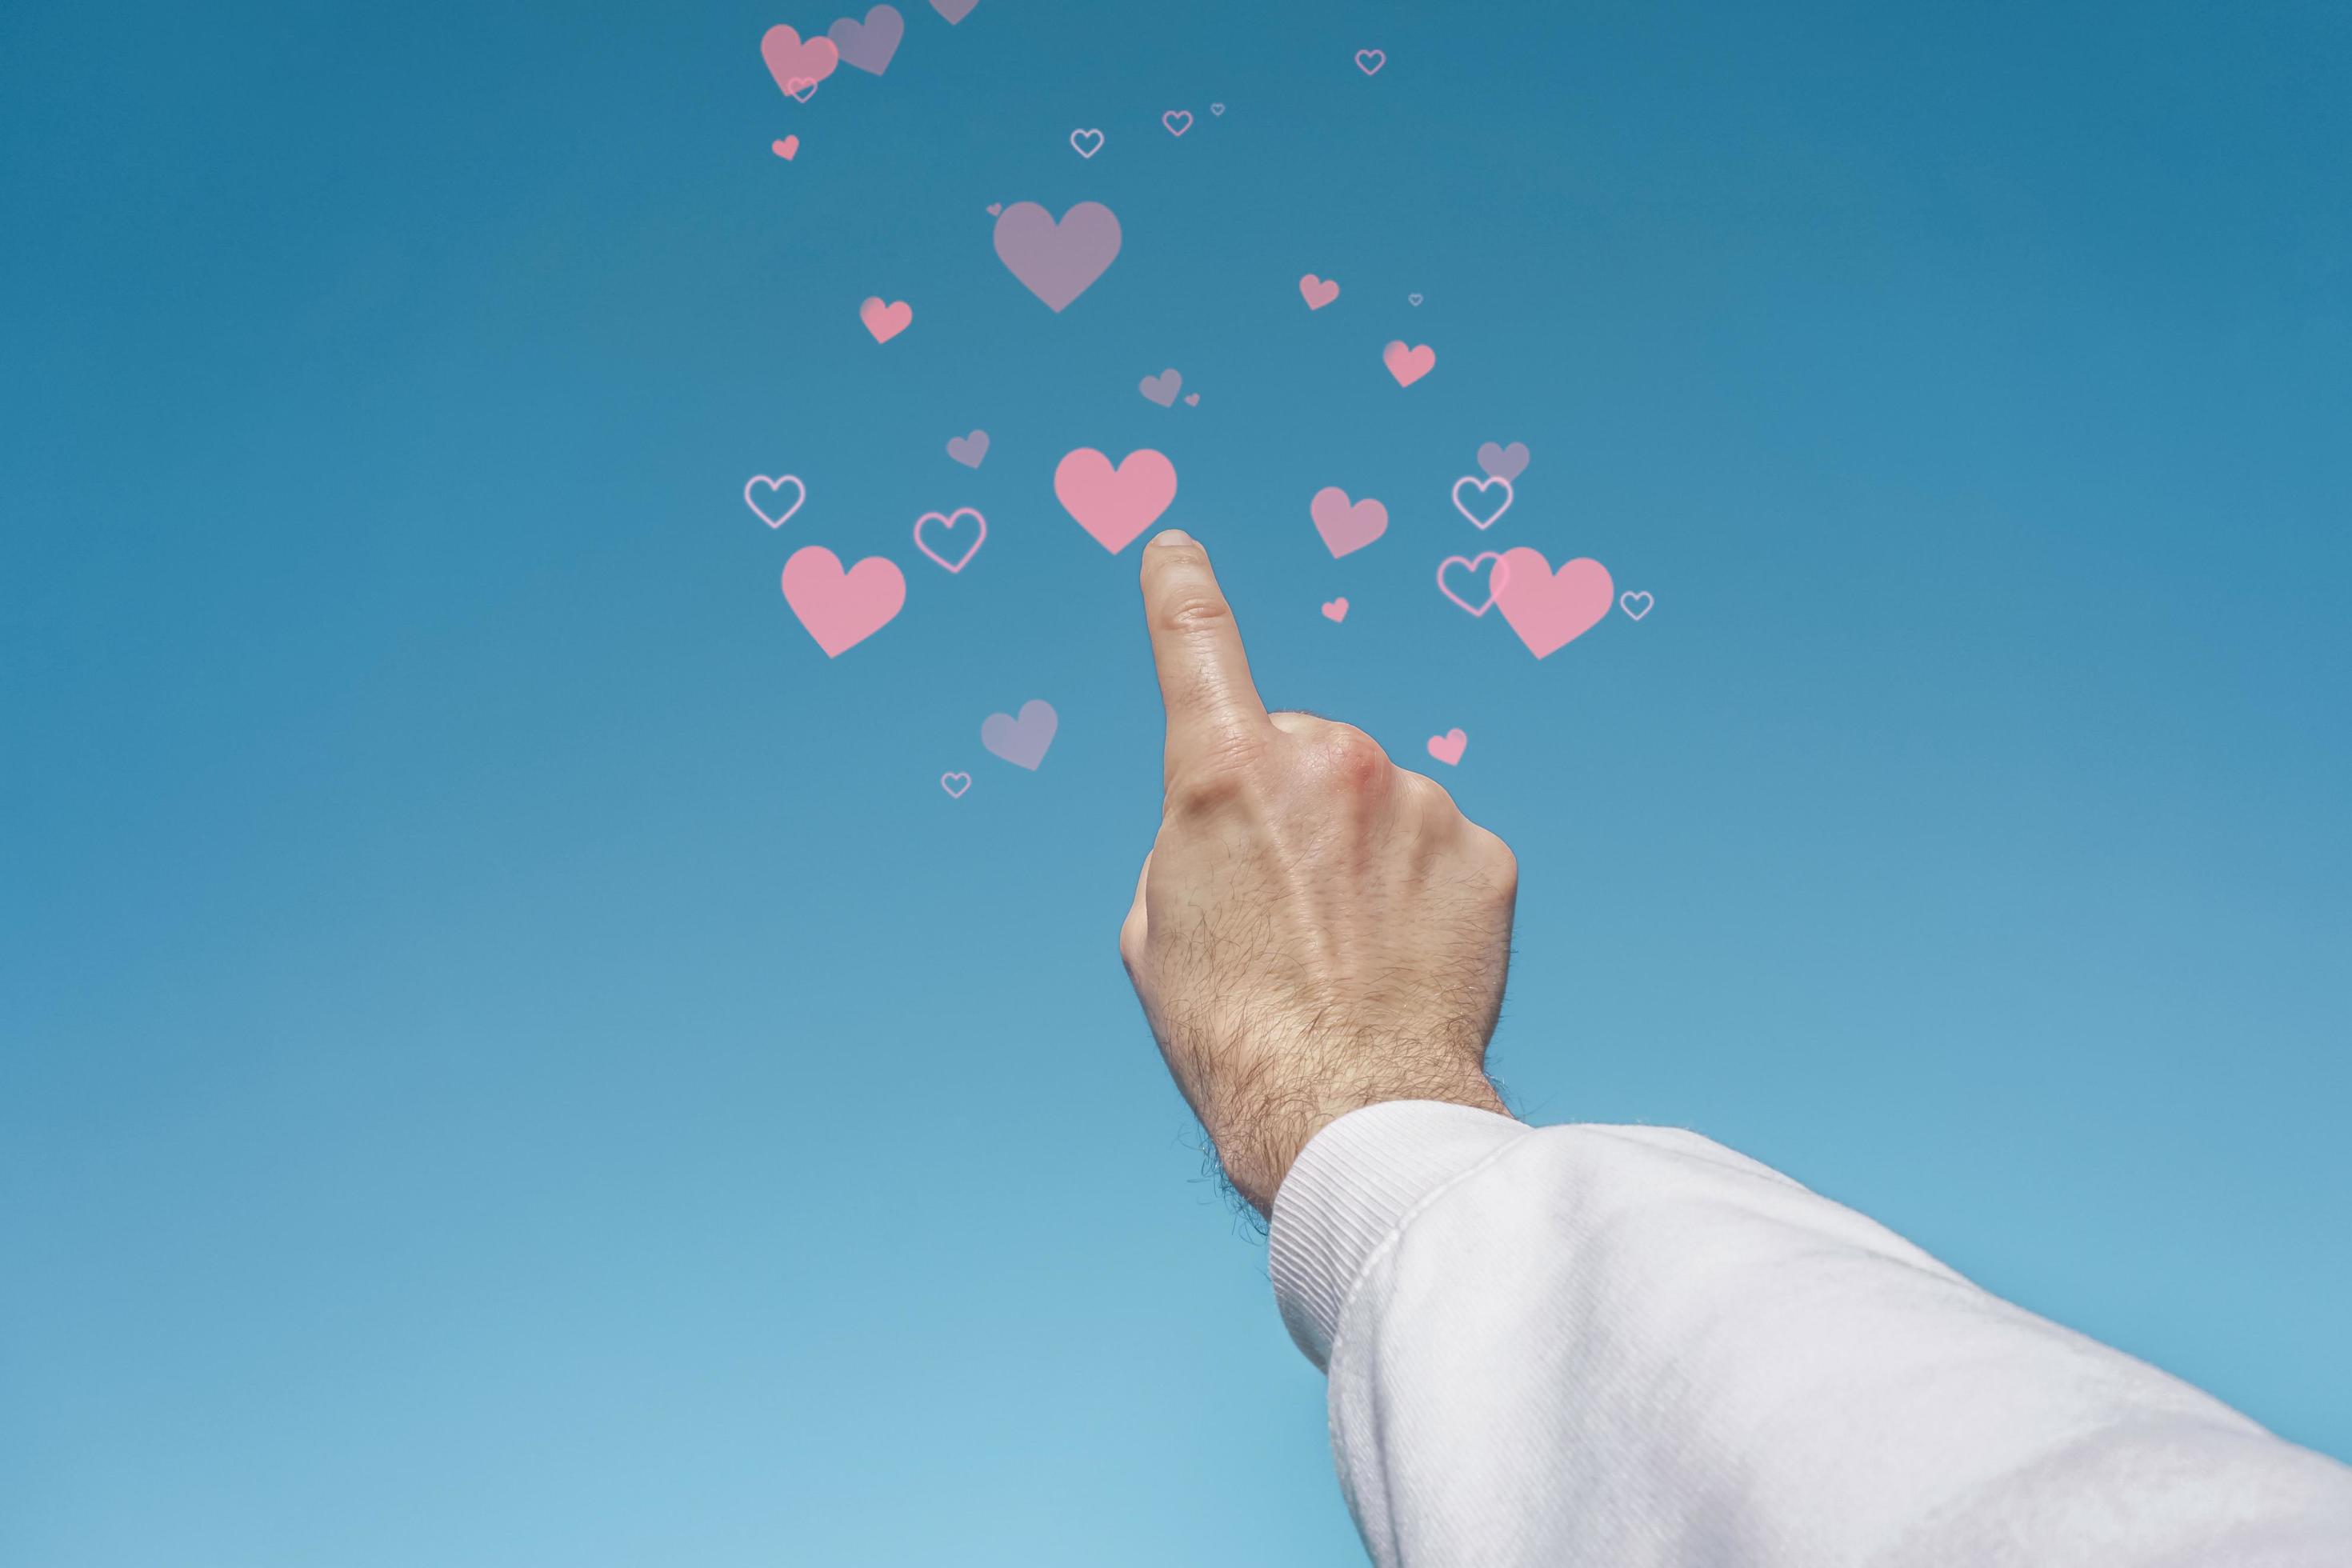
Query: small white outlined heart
point(1636, 606)
point(1482, 487)
point(1085, 143)
point(775, 487)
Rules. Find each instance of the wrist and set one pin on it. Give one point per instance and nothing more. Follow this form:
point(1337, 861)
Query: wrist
point(1257, 1142)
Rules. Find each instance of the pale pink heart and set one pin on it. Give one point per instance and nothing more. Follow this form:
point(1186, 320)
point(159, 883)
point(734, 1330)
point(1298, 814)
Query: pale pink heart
point(868, 45)
point(969, 450)
point(1177, 121)
point(1161, 388)
point(1021, 741)
point(994, 208)
point(774, 488)
point(1548, 609)
point(786, 149)
point(955, 784)
point(1503, 462)
point(1057, 260)
point(842, 609)
point(1114, 505)
point(1084, 143)
point(1409, 364)
point(1448, 748)
point(801, 89)
point(793, 62)
point(1317, 291)
point(1346, 527)
point(1636, 606)
point(954, 10)
point(1369, 61)
point(1335, 610)
point(1192, 400)
point(1482, 487)
point(947, 523)
point(1496, 578)
point(885, 321)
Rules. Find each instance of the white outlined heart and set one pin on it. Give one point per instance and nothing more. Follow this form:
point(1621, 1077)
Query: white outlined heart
point(799, 494)
point(1482, 487)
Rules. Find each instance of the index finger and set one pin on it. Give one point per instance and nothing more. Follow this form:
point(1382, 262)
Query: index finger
point(1204, 678)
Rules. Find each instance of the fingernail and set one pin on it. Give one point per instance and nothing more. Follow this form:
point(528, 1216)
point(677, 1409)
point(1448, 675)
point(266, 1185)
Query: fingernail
point(1171, 536)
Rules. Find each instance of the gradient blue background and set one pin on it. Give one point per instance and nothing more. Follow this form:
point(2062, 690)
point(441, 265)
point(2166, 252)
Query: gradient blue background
point(510, 1056)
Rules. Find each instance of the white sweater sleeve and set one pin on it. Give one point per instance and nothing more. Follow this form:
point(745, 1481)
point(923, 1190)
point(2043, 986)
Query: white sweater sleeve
point(1615, 1347)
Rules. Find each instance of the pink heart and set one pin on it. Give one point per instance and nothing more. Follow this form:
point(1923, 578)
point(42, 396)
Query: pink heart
point(955, 784)
point(1335, 610)
point(1115, 504)
point(948, 521)
point(1084, 143)
point(1482, 487)
point(795, 64)
point(954, 10)
point(1177, 121)
point(1409, 365)
point(1369, 61)
point(1636, 606)
point(1448, 748)
point(1495, 579)
point(1503, 462)
point(1192, 400)
point(885, 321)
point(774, 488)
point(994, 208)
point(969, 450)
point(1161, 388)
point(1021, 741)
point(1057, 261)
point(869, 45)
point(842, 609)
point(1550, 610)
point(786, 148)
point(1317, 291)
point(1346, 527)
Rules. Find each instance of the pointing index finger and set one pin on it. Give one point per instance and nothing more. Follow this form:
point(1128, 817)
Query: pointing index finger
point(1204, 678)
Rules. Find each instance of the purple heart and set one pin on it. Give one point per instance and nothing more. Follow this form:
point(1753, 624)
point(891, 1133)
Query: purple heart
point(1057, 261)
point(1162, 388)
point(969, 450)
point(954, 10)
point(1503, 462)
point(868, 45)
point(1021, 741)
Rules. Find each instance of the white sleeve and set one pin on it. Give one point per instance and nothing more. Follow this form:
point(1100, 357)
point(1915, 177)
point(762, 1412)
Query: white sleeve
point(1617, 1347)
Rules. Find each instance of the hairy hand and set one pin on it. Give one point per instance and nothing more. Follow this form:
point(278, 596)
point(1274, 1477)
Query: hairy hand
point(1315, 928)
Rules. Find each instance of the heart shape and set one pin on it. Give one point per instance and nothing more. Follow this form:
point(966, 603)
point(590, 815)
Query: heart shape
point(994, 208)
point(1335, 609)
point(948, 521)
point(842, 609)
point(1548, 609)
point(1084, 143)
point(1482, 487)
point(1114, 505)
point(797, 64)
point(885, 321)
point(969, 450)
point(1177, 121)
point(1503, 462)
point(802, 89)
point(1346, 527)
point(1412, 298)
point(1448, 748)
point(1409, 364)
point(954, 10)
point(1317, 291)
point(1161, 388)
point(955, 784)
point(776, 520)
point(1369, 61)
point(1499, 575)
point(1192, 400)
point(1021, 741)
point(1057, 261)
point(1636, 606)
point(869, 45)
point(785, 149)
point(1216, 108)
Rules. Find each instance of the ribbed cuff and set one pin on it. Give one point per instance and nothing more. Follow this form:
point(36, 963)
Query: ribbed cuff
point(1350, 1189)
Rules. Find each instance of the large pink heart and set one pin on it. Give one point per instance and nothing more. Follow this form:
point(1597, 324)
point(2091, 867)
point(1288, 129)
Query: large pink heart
point(842, 609)
point(1346, 527)
point(1115, 504)
point(1548, 609)
point(797, 64)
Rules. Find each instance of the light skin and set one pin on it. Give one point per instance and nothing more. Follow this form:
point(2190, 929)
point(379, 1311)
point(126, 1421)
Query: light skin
point(1315, 928)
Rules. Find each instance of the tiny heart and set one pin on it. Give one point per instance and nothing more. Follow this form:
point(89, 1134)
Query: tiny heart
point(786, 148)
point(955, 784)
point(994, 208)
point(1192, 400)
point(1496, 578)
point(1369, 61)
point(842, 609)
point(1448, 748)
point(1412, 298)
point(1551, 609)
point(1636, 606)
point(969, 450)
point(1216, 108)
point(1504, 462)
point(1409, 364)
point(1021, 741)
point(1177, 121)
point(1161, 388)
point(1317, 291)
point(1115, 504)
point(1482, 487)
point(774, 488)
point(1335, 610)
point(802, 89)
point(884, 320)
point(1084, 143)
point(1346, 527)
point(947, 523)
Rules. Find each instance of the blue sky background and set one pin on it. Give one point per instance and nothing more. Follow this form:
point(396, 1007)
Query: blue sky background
point(508, 1055)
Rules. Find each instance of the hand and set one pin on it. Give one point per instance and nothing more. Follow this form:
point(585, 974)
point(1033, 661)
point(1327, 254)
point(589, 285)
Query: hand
point(1315, 928)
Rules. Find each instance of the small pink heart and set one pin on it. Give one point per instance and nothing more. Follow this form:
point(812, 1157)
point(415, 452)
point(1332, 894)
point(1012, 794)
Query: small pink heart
point(1448, 748)
point(1346, 526)
point(786, 148)
point(1115, 504)
point(798, 65)
point(1369, 61)
point(886, 320)
point(995, 208)
point(1192, 400)
point(1177, 121)
point(1317, 291)
point(1336, 610)
point(842, 609)
point(955, 784)
point(1021, 740)
point(1409, 364)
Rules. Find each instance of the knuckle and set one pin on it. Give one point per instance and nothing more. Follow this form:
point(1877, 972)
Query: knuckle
point(1212, 784)
point(1193, 609)
point(1353, 758)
